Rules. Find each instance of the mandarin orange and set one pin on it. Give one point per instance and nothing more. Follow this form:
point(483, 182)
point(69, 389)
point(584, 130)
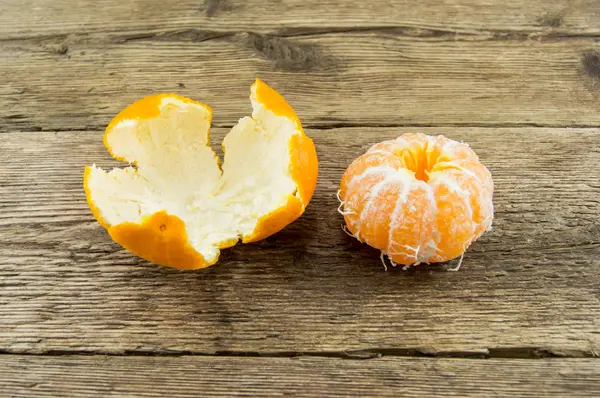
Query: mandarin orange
point(418, 198)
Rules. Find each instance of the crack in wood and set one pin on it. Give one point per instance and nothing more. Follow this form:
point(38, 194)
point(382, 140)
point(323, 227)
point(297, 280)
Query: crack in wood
point(282, 33)
point(181, 35)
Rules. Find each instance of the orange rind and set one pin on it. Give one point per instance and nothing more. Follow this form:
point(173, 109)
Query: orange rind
point(175, 205)
point(417, 199)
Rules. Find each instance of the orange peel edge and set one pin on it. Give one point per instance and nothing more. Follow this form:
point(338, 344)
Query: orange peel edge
point(304, 167)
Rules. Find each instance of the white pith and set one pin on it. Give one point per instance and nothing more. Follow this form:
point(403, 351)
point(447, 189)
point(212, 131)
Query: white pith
point(179, 173)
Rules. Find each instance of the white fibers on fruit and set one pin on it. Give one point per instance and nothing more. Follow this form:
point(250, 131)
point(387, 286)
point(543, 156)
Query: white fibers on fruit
point(465, 245)
point(459, 264)
point(342, 207)
point(413, 249)
point(343, 212)
point(369, 171)
point(347, 231)
point(382, 258)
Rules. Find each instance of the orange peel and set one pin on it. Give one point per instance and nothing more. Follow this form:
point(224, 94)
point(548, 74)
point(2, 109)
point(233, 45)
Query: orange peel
point(175, 205)
point(418, 198)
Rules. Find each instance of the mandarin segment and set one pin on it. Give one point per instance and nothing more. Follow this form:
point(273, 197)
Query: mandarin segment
point(356, 204)
point(418, 198)
point(412, 224)
point(365, 165)
point(454, 217)
point(378, 216)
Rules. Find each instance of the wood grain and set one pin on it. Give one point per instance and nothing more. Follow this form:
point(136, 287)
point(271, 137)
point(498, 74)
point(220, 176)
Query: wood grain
point(528, 288)
point(86, 376)
point(50, 17)
point(518, 80)
point(385, 78)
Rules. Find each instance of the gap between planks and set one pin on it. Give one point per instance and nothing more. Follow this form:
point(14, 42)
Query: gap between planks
point(89, 376)
point(489, 353)
point(340, 125)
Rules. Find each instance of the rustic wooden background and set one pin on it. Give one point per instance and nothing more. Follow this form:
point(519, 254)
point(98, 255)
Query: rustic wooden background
point(309, 311)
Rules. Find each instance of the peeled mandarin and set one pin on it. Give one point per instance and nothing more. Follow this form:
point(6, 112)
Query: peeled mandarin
point(418, 198)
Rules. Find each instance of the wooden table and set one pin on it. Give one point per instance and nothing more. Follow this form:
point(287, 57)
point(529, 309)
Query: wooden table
point(309, 311)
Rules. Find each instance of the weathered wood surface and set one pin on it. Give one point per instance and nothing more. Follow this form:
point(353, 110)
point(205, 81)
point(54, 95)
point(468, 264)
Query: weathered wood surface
point(356, 78)
point(87, 376)
point(525, 76)
point(59, 17)
point(529, 286)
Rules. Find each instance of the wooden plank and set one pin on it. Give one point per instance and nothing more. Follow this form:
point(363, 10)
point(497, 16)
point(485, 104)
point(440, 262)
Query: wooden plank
point(529, 286)
point(86, 376)
point(34, 17)
point(384, 78)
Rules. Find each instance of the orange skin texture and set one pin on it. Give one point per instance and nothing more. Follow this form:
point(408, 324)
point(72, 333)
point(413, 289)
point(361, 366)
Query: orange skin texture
point(276, 220)
point(303, 168)
point(273, 101)
point(403, 205)
point(162, 238)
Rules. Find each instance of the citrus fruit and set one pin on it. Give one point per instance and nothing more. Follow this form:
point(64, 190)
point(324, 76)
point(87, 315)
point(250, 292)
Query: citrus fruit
point(418, 198)
point(175, 205)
